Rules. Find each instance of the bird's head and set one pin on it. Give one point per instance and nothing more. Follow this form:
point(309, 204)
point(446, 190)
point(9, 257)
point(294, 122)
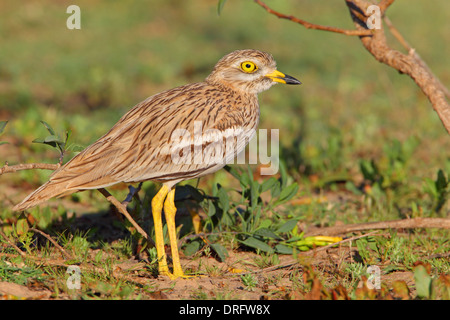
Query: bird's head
point(250, 71)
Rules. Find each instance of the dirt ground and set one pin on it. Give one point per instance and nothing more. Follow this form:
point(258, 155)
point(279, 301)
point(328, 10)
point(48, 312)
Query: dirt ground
point(311, 275)
point(275, 283)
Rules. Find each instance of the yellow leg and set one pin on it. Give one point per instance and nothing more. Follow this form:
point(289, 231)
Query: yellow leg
point(170, 210)
point(157, 205)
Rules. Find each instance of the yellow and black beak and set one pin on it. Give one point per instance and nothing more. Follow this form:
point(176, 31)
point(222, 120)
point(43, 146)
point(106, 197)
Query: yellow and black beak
point(280, 77)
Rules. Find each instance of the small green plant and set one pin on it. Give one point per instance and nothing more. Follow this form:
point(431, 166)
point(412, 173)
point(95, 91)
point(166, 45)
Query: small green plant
point(249, 281)
point(390, 171)
point(438, 190)
point(54, 140)
point(2, 128)
point(243, 215)
point(355, 270)
point(264, 260)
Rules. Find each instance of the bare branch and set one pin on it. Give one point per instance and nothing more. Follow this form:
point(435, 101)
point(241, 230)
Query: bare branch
point(375, 42)
point(384, 4)
point(309, 25)
point(410, 64)
point(28, 166)
point(396, 33)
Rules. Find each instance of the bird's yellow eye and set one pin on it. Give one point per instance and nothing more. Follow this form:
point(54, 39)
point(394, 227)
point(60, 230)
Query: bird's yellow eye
point(248, 67)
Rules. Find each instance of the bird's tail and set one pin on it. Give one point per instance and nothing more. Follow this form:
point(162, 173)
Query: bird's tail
point(43, 193)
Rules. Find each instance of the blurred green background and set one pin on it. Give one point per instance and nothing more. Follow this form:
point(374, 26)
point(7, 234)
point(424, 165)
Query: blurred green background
point(349, 109)
point(361, 140)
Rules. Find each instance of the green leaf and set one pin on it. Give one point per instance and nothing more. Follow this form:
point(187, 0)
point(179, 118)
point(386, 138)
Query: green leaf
point(68, 134)
point(423, 282)
point(211, 209)
point(192, 247)
point(288, 192)
point(222, 253)
point(266, 223)
point(224, 201)
point(75, 148)
point(287, 226)
point(53, 138)
point(257, 244)
point(233, 172)
point(220, 5)
point(275, 190)
point(441, 182)
point(283, 249)
point(254, 193)
point(283, 174)
point(265, 232)
point(245, 179)
point(49, 128)
point(268, 184)
point(2, 126)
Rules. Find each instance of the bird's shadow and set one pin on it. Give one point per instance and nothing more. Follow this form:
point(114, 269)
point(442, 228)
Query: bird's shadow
point(104, 227)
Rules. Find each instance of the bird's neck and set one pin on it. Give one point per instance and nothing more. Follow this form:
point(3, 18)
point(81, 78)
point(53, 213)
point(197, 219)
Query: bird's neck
point(232, 89)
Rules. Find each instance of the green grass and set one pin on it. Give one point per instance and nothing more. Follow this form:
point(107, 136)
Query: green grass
point(359, 143)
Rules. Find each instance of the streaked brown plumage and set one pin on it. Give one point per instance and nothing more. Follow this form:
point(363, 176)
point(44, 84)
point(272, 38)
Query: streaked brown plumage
point(140, 145)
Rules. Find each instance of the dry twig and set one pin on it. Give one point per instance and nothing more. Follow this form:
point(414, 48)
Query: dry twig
point(441, 223)
point(309, 25)
point(411, 51)
point(64, 252)
point(410, 64)
point(375, 42)
point(28, 166)
point(12, 244)
point(122, 209)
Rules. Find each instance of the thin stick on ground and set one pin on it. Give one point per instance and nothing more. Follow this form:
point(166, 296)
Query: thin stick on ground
point(441, 223)
point(122, 209)
point(23, 254)
point(64, 252)
point(12, 244)
point(309, 253)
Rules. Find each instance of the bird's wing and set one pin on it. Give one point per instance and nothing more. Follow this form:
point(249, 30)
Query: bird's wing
point(141, 145)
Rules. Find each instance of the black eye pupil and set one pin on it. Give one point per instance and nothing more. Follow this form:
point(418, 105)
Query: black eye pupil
point(248, 65)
